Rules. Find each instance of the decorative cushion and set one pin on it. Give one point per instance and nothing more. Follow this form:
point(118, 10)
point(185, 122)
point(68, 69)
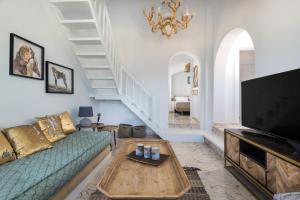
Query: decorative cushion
point(51, 127)
point(66, 123)
point(6, 151)
point(26, 140)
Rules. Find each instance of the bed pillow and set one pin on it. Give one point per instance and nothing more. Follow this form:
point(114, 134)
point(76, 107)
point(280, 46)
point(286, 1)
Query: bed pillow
point(26, 140)
point(182, 99)
point(66, 122)
point(6, 151)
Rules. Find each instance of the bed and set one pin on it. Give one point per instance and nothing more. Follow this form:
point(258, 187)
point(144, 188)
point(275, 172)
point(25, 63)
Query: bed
point(182, 105)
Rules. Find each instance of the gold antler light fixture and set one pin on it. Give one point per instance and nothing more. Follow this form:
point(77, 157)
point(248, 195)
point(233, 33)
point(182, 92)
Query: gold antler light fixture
point(166, 18)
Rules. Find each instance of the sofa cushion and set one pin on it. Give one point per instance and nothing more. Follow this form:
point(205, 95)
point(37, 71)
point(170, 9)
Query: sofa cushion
point(26, 140)
point(41, 175)
point(66, 122)
point(51, 127)
point(6, 151)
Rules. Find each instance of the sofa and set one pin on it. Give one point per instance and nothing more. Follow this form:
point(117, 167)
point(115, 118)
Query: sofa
point(50, 174)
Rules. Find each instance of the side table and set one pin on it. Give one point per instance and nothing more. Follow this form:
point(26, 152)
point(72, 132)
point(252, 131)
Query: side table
point(94, 126)
point(111, 128)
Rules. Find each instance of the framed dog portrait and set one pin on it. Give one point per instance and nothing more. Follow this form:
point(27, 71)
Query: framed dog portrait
point(26, 58)
point(59, 79)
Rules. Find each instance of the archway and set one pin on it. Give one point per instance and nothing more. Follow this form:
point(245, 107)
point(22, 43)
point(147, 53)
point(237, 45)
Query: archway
point(184, 97)
point(235, 62)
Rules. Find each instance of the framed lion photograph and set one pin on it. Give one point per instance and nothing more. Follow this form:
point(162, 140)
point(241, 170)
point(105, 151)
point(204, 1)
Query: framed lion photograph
point(26, 58)
point(59, 79)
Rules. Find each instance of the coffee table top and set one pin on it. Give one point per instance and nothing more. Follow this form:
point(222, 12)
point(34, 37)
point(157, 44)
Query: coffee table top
point(127, 179)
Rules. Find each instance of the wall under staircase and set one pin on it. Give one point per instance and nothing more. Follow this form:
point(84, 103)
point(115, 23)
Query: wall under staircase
point(86, 25)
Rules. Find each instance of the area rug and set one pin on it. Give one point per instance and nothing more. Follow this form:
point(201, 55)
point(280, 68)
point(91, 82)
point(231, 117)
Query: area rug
point(197, 191)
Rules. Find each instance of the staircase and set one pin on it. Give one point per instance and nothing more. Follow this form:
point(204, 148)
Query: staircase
point(86, 24)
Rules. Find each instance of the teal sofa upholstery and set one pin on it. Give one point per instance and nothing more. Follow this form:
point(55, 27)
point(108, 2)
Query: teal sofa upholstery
point(41, 175)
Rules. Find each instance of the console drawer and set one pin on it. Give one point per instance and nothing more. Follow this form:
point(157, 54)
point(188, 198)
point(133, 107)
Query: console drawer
point(233, 148)
point(252, 168)
point(282, 177)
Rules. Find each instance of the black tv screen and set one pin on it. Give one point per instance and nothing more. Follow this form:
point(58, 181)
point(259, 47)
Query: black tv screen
point(272, 104)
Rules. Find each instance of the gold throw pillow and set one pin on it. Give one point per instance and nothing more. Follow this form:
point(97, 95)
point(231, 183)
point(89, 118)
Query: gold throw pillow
point(51, 127)
point(26, 140)
point(66, 122)
point(6, 151)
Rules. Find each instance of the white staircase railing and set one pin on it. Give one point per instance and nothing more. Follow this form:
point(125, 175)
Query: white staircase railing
point(131, 91)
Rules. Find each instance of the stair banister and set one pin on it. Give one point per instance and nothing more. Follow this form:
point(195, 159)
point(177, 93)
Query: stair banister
point(131, 91)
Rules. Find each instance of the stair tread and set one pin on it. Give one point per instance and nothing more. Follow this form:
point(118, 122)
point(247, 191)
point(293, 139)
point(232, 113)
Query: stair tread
point(90, 54)
point(85, 39)
point(108, 87)
point(67, 1)
point(101, 78)
point(106, 97)
point(74, 21)
point(96, 67)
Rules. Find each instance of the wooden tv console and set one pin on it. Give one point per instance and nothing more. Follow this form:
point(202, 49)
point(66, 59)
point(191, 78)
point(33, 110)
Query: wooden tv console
point(271, 166)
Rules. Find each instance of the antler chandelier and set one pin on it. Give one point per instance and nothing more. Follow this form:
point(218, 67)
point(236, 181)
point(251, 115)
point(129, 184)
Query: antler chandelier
point(166, 18)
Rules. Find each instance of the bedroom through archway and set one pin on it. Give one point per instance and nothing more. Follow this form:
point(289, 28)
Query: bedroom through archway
point(184, 103)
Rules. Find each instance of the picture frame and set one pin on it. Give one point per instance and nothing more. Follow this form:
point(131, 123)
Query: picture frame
point(195, 76)
point(195, 89)
point(26, 58)
point(59, 79)
point(189, 80)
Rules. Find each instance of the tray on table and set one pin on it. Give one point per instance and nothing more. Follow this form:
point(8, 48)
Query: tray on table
point(141, 159)
point(125, 179)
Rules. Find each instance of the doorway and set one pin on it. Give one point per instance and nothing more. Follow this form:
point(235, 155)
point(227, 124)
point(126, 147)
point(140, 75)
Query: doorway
point(235, 62)
point(184, 92)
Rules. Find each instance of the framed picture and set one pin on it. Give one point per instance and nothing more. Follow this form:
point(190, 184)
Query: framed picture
point(195, 89)
point(26, 58)
point(195, 92)
point(189, 80)
point(59, 79)
point(195, 77)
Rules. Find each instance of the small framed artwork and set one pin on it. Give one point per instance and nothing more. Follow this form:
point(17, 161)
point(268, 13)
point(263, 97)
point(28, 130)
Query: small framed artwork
point(195, 77)
point(26, 58)
point(189, 80)
point(59, 79)
point(195, 91)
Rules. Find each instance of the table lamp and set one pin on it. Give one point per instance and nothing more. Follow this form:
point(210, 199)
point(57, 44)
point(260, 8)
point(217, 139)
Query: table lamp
point(85, 112)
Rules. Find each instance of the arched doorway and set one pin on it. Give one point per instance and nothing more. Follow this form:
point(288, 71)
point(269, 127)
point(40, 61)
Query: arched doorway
point(235, 62)
point(184, 91)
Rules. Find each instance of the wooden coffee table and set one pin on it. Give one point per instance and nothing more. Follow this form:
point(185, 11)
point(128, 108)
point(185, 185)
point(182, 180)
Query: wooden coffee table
point(127, 179)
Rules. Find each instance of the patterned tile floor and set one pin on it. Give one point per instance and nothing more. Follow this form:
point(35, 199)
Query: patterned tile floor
point(182, 121)
point(218, 182)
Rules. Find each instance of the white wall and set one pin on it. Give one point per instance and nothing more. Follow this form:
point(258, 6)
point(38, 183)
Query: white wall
point(247, 65)
point(180, 86)
point(114, 112)
point(227, 79)
point(272, 24)
point(24, 99)
point(147, 55)
point(274, 27)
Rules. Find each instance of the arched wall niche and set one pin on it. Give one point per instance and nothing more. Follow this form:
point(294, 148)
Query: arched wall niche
point(234, 63)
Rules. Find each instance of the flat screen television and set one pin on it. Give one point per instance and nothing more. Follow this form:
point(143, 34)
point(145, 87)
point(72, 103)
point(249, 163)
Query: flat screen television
point(272, 104)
